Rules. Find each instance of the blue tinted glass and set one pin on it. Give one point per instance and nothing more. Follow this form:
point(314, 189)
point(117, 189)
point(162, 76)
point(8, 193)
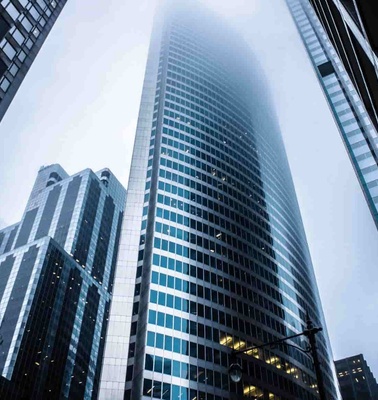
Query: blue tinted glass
point(175, 372)
point(159, 340)
point(150, 339)
point(177, 323)
point(171, 282)
point(169, 321)
point(161, 298)
point(160, 319)
point(155, 277)
point(152, 317)
point(178, 303)
point(153, 296)
point(163, 280)
point(167, 366)
point(168, 343)
point(169, 301)
point(176, 345)
point(158, 367)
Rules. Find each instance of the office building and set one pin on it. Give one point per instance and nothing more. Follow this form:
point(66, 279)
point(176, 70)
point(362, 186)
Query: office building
point(213, 255)
point(355, 378)
point(56, 282)
point(341, 39)
point(24, 26)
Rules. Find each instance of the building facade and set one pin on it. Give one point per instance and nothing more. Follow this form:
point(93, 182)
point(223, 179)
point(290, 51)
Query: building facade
point(213, 255)
point(56, 281)
point(356, 379)
point(341, 40)
point(24, 26)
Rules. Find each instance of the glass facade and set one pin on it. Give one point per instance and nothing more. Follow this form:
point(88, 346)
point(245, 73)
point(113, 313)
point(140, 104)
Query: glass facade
point(213, 256)
point(56, 277)
point(24, 26)
point(344, 96)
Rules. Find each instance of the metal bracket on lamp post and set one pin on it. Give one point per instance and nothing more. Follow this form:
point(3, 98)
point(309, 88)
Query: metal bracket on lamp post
point(235, 371)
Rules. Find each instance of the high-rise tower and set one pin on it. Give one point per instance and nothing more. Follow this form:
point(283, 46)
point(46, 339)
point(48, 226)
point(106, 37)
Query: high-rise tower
point(341, 39)
point(356, 380)
point(24, 26)
point(213, 255)
point(56, 281)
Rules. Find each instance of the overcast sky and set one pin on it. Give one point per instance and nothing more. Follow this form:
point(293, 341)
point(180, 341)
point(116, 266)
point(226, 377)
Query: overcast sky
point(79, 103)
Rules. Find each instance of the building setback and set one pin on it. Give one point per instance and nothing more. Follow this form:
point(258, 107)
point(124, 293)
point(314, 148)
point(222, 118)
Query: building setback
point(56, 282)
point(341, 39)
point(213, 255)
point(355, 378)
point(24, 26)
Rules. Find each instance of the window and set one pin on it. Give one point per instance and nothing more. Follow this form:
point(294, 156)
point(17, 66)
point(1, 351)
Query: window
point(12, 11)
point(4, 84)
point(9, 51)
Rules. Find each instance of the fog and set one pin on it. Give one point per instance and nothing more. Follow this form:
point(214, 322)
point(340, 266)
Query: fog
point(78, 106)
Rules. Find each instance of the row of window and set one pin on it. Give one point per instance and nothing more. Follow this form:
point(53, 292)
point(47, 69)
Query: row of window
point(224, 300)
point(197, 82)
point(239, 152)
point(223, 224)
point(255, 178)
point(261, 252)
point(215, 335)
point(213, 355)
point(232, 159)
point(234, 287)
point(166, 391)
point(213, 247)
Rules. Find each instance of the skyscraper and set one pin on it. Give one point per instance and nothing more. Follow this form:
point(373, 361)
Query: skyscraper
point(24, 26)
point(56, 274)
point(213, 256)
point(341, 41)
point(356, 379)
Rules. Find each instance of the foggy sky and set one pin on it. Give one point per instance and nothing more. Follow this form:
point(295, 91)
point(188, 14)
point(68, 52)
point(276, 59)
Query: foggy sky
point(79, 103)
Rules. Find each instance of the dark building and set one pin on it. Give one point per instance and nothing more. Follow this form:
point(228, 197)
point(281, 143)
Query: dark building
point(56, 274)
point(341, 38)
point(24, 26)
point(356, 380)
point(213, 254)
point(353, 30)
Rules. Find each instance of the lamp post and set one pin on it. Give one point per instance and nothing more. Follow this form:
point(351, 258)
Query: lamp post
point(235, 371)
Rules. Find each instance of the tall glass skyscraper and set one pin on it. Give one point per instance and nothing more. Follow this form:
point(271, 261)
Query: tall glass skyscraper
point(344, 53)
point(24, 26)
point(213, 255)
point(56, 282)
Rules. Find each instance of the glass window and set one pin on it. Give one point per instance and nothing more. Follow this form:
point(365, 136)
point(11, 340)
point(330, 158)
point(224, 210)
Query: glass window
point(18, 37)
point(177, 345)
point(9, 51)
point(150, 339)
point(4, 84)
point(168, 343)
point(169, 321)
point(175, 372)
point(26, 24)
point(34, 13)
point(12, 11)
point(159, 341)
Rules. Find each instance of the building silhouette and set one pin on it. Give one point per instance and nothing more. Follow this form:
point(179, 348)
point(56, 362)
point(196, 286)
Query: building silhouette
point(56, 274)
point(341, 38)
point(355, 378)
point(24, 26)
point(213, 255)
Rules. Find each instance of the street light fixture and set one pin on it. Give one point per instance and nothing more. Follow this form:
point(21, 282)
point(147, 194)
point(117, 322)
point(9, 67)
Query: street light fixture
point(235, 371)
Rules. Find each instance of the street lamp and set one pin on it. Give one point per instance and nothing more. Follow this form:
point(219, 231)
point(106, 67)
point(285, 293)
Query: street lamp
point(235, 371)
